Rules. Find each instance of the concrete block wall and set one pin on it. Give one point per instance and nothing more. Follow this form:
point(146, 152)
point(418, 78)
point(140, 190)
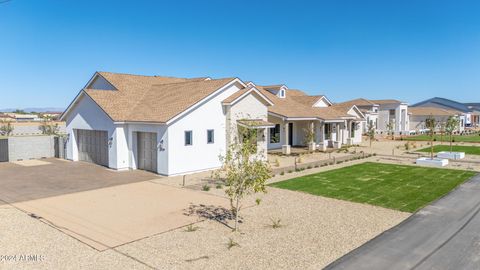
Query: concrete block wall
point(30, 147)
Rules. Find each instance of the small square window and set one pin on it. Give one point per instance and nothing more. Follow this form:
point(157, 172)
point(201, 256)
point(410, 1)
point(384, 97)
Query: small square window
point(188, 137)
point(210, 136)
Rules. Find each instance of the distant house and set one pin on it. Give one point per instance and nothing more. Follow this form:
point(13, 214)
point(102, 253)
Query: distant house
point(6, 117)
point(175, 126)
point(470, 111)
point(381, 112)
point(418, 115)
point(24, 117)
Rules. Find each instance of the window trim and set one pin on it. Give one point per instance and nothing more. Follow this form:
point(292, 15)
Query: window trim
point(185, 137)
point(213, 136)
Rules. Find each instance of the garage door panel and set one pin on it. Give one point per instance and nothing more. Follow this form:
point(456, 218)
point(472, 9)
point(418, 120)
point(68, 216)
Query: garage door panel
point(93, 146)
point(147, 151)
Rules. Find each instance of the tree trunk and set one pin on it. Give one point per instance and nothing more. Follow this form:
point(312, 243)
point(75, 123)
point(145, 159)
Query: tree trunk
point(236, 215)
point(451, 146)
point(431, 148)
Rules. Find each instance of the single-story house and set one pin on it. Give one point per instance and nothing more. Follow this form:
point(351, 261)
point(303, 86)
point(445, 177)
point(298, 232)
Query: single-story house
point(470, 111)
point(418, 115)
point(175, 126)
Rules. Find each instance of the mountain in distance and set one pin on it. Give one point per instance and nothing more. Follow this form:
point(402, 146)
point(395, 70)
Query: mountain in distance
point(40, 109)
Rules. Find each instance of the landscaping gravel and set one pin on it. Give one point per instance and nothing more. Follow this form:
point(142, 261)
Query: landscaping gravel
point(315, 231)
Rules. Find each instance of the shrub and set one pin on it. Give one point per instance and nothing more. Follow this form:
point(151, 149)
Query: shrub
point(277, 163)
point(309, 167)
point(290, 171)
point(282, 173)
point(191, 228)
point(276, 223)
point(218, 186)
point(258, 201)
point(206, 188)
point(232, 243)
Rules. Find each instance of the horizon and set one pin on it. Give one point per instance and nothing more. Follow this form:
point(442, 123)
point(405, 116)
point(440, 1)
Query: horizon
point(408, 51)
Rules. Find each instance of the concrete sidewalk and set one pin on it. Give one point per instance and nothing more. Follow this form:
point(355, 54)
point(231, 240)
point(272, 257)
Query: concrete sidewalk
point(444, 235)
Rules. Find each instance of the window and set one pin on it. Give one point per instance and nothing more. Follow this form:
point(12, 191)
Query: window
point(210, 136)
point(188, 137)
point(328, 131)
point(275, 134)
point(352, 129)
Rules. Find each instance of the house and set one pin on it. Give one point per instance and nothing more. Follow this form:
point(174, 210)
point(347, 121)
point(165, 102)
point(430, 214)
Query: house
point(19, 117)
point(418, 115)
point(380, 113)
point(295, 114)
point(470, 111)
point(175, 126)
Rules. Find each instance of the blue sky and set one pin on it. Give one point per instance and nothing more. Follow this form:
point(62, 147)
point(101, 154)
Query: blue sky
point(409, 50)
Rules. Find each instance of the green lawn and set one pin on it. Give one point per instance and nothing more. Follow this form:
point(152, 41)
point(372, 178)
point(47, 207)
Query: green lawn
point(405, 188)
point(469, 150)
point(457, 138)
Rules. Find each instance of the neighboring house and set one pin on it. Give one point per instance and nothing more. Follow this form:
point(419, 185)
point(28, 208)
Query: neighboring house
point(175, 126)
point(470, 111)
point(6, 117)
point(418, 115)
point(51, 115)
point(294, 113)
point(382, 112)
point(24, 117)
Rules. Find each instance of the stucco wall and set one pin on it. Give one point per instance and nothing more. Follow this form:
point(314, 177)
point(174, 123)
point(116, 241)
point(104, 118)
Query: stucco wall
point(87, 115)
point(200, 156)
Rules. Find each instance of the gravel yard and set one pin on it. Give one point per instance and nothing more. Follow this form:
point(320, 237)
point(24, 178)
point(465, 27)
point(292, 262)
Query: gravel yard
point(315, 231)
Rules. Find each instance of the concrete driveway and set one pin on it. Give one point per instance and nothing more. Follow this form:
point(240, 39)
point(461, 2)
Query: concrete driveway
point(100, 207)
point(444, 235)
point(35, 179)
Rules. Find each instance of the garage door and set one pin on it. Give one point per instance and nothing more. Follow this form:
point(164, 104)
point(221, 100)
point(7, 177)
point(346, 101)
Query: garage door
point(147, 151)
point(93, 146)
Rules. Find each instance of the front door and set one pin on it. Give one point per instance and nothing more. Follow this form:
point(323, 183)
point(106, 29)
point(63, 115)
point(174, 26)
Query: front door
point(290, 134)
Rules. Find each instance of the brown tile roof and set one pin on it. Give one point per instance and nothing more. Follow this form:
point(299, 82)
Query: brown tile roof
point(359, 102)
point(307, 100)
point(425, 111)
point(240, 92)
point(151, 98)
point(294, 107)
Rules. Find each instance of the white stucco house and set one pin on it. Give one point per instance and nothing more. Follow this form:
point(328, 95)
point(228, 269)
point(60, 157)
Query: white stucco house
point(175, 126)
point(418, 115)
point(381, 112)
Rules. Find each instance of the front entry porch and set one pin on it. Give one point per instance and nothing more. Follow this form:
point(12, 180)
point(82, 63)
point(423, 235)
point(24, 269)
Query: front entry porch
point(289, 135)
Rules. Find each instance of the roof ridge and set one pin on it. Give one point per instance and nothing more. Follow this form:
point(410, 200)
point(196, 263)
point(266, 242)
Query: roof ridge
point(191, 81)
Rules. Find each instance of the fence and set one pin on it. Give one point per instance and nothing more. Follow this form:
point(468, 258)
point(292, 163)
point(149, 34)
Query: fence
point(31, 147)
point(3, 150)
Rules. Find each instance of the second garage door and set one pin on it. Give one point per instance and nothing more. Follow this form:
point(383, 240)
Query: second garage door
point(93, 146)
point(147, 151)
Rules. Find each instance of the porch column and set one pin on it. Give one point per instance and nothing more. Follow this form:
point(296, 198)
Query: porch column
point(312, 146)
point(286, 147)
point(321, 143)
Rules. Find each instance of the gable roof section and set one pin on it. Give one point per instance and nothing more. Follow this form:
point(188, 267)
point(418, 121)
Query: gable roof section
point(444, 102)
point(301, 107)
point(385, 101)
point(235, 97)
point(359, 102)
point(151, 98)
point(434, 111)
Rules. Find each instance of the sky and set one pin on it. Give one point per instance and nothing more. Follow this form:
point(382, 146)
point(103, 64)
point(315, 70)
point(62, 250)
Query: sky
point(401, 49)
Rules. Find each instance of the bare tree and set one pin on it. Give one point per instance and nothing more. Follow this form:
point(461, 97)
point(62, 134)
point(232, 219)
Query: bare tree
point(450, 126)
point(6, 128)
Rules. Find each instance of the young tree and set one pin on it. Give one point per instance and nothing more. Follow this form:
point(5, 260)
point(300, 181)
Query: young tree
point(441, 126)
point(309, 136)
point(431, 124)
point(450, 126)
point(48, 128)
point(390, 129)
point(6, 128)
point(371, 133)
point(245, 172)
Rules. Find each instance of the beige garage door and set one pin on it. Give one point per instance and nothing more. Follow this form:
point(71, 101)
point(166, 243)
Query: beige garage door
point(93, 146)
point(147, 151)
